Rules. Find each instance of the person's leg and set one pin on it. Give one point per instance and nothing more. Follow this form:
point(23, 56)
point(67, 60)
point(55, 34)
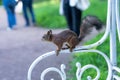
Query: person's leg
point(9, 14)
point(67, 14)
point(13, 17)
point(76, 17)
point(32, 12)
point(25, 14)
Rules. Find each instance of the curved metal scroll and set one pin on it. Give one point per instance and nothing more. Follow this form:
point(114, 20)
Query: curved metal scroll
point(81, 70)
point(118, 17)
point(112, 15)
point(62, 72)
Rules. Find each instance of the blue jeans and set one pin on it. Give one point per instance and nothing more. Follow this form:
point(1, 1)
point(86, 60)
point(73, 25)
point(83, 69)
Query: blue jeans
point(11, 17)
point(10, 13)
point(29, 7)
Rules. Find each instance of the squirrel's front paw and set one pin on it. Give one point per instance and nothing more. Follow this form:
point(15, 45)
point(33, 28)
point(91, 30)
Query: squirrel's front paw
point(71, 50)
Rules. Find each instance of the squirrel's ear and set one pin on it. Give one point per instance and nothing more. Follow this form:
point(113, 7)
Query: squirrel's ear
point(49, 32)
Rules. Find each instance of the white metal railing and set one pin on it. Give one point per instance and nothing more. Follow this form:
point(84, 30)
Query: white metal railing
point(113, 23)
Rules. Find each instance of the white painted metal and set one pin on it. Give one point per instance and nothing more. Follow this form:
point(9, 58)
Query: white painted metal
point(116, 77)
point(42, 57)
point(62, 72)
point(37, 61)
point(80, 71)
point(113, 22)
point(118, 17)
point(113, 54)
point(116, 69)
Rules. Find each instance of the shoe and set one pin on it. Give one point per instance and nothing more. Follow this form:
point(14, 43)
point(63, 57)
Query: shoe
point(14, 27)
point(27, 24)
point(34, 24)
point(9, 29)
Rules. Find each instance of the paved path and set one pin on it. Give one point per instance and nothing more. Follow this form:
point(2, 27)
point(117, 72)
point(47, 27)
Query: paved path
point(19, 48)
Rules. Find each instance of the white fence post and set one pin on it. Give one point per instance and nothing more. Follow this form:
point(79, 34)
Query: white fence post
point(113, 35)
point(113, 55)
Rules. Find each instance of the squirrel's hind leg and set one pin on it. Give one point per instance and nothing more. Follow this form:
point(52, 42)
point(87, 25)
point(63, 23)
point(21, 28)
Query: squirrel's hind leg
point(57, 52)
point(67, 47)
point(71, 48)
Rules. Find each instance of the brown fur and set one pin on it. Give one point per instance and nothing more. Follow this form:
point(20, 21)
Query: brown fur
point(88, 23)
point(71, 37)
point(59, 39)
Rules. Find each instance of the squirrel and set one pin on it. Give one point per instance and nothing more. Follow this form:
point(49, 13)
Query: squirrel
point(70, 37)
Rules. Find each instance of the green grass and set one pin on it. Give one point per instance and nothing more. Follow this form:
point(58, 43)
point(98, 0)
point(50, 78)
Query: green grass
point(47, 13)
point(93, 58)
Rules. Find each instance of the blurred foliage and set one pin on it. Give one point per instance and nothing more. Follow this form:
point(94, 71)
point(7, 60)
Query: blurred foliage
point(47, 13)
point(36, 1)
point(97, 8)
point(0, 2)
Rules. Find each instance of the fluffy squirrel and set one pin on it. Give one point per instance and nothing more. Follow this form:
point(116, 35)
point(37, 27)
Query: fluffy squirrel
point(70, 37)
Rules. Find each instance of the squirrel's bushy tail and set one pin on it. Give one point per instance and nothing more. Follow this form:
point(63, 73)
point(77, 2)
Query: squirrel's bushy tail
point(87, 23)
point(95, 21)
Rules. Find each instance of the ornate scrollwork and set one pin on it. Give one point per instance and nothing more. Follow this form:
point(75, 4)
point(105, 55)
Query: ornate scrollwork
point(62, 72)
point(107, 61)
point(80, 71)
point(37, 61)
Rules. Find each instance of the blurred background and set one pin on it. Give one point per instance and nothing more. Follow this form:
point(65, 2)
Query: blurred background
point(29, 46)
point(44, 9)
